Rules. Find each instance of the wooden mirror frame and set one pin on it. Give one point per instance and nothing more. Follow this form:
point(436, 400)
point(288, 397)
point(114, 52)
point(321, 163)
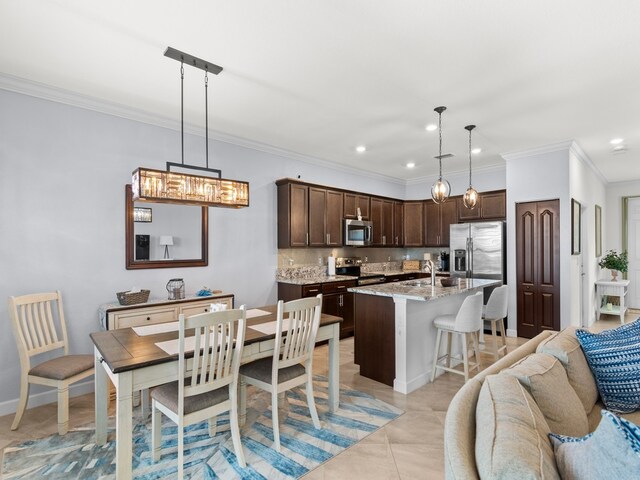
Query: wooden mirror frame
point(133, 264)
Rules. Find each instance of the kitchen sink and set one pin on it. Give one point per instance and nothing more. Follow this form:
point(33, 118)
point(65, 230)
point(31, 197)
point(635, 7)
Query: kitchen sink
point(419, 283)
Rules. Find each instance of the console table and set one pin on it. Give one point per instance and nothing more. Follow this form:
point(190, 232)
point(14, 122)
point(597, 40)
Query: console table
point(607, 288)
point(158, 310)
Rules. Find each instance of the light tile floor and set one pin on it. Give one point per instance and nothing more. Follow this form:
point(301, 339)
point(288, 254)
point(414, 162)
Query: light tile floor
point(409, 447)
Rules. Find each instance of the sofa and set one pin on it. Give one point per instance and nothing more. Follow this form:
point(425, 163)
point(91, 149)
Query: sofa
point(498, 424)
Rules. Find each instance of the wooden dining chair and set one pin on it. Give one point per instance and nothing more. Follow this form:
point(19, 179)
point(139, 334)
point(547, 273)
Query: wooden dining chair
point(291, 365)
point(39, 327)
point(207, 386)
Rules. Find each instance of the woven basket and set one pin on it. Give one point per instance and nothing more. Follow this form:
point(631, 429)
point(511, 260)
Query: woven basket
point(126, 298)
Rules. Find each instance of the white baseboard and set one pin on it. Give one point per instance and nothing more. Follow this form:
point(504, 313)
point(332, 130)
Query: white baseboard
point(50, 396)
point(511, 332)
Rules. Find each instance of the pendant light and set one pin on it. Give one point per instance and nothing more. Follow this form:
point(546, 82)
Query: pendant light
point(470, 198)
point(441, 189)
point(174, 187)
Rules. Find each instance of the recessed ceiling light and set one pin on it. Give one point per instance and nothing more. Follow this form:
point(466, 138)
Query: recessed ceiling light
point(619, 148)
point(431, 127)
point(411, 164)
point(616, 141)
point(361, 149)
point(476, 151)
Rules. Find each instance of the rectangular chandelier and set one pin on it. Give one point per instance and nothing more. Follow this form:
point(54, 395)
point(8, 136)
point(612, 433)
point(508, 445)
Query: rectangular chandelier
point(173, 187)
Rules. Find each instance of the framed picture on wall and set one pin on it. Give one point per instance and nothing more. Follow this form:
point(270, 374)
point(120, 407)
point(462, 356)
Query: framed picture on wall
point(598, 231)
point(575, 227)
point(142, 214)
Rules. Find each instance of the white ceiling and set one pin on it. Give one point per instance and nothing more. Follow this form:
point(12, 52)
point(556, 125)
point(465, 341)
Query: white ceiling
point(320, 77)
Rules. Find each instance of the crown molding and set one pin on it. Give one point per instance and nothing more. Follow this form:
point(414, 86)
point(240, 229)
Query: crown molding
point(551, 148)
point(477, 170)
point(584, 158)
point(60, 95)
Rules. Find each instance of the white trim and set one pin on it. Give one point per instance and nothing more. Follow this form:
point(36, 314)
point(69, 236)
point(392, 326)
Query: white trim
point(9, 407)
point(512, 332)
point(584, 158)
point(554, 147)
point(430, 178)
point(67, 97)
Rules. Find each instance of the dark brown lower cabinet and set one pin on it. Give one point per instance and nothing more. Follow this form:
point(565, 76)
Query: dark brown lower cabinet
point(375, 347)
point(538, 267)
point(340, 305)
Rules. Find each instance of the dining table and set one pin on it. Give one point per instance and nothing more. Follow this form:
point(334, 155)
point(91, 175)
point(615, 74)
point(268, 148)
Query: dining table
point(135, 359)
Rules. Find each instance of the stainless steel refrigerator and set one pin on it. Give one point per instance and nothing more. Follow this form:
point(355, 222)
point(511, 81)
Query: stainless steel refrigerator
point(478, 250)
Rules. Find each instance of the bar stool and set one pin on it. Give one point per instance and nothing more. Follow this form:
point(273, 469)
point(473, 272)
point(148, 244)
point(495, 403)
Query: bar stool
point(495, 311)
point(467, 323)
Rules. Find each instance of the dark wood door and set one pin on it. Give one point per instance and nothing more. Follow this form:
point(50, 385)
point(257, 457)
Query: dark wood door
point(431, 223)
point(448, 216)
point(538, 267)
point(398, 224)
point(333, 220)
point(413, 224)
point(317, 217)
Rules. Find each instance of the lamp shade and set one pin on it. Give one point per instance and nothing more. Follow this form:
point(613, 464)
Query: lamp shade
point(166, 240)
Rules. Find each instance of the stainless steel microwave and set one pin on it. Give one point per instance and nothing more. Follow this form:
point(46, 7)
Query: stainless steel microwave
point(358, 233)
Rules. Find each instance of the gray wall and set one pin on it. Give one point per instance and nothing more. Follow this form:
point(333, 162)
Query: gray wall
point(62, 176)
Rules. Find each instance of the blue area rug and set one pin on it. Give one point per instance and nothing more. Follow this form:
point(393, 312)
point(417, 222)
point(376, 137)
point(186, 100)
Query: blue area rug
point(74, 455)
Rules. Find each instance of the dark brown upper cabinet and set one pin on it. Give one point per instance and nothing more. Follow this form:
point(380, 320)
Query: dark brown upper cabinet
point(325, 217)
point(382, 218)
point(491, 206)
point(437, 219)
point(293, 215)
point(413, 224)
point(353, 201)
point(398, 224)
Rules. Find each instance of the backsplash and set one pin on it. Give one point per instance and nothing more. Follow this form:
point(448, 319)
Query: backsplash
point(297, 257)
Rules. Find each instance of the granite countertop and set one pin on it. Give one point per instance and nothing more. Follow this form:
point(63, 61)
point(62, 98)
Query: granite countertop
point(388, 273)
point(311, 279)
point(424, 293)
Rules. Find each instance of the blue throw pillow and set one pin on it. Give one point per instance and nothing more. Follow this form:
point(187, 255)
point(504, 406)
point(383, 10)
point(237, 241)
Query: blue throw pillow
point(612, 451)
point(614, 359)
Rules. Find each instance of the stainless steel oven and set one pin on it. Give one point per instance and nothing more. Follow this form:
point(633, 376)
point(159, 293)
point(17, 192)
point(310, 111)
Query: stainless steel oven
point(358, 233)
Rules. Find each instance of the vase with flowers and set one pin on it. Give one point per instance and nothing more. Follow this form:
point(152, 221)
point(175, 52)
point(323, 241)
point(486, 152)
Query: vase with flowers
point(616, 262)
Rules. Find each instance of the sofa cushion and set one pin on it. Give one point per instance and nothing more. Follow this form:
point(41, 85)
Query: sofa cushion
point(566, 348)
point(612, 451)
point(511, 433)
point(596, 414)
point(614, 358)
point(545, 379)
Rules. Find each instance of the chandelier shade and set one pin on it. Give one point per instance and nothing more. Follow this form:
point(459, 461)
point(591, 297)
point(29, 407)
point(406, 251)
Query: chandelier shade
point(174, 187)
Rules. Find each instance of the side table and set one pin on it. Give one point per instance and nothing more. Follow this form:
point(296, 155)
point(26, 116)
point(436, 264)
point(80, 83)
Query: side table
point(607, 288)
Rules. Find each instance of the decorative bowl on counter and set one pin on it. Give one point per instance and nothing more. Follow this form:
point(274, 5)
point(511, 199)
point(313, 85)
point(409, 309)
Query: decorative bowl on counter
point(449, 281)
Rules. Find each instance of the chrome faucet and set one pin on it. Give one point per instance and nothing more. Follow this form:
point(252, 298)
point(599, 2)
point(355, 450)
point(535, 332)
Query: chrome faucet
point(428, 264)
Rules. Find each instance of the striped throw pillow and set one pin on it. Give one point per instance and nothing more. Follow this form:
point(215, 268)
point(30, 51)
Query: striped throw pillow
point(614, 359)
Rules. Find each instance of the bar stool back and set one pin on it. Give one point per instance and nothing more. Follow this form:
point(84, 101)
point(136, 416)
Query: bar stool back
point(495, 311)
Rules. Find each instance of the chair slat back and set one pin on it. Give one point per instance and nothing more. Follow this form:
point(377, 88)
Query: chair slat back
point(33, 318)
point(219, 338)
point(297, 326)
point(469, 317)
point(498, 303)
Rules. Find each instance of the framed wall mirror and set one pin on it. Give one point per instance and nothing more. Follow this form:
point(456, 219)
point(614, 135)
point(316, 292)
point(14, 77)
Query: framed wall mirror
point(177, 235)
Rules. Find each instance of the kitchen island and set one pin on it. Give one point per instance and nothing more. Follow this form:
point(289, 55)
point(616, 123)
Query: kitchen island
point(394, 332)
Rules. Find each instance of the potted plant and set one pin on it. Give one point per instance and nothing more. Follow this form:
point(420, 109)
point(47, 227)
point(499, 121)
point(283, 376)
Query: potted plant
point(615, 262)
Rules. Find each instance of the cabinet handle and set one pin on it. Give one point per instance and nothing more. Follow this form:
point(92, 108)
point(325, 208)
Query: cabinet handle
point(148, 318)
point(312, 290)
point(342, 286)
point(341, 300)
point(206, 310)
point(397, 243)
point(328, 239)
point(307, 241)
point(384, 239)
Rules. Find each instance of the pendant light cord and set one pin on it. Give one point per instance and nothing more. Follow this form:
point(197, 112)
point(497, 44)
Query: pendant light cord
point(206, 114)
point(469, 158)
point(440, 140)
point(182, 109)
